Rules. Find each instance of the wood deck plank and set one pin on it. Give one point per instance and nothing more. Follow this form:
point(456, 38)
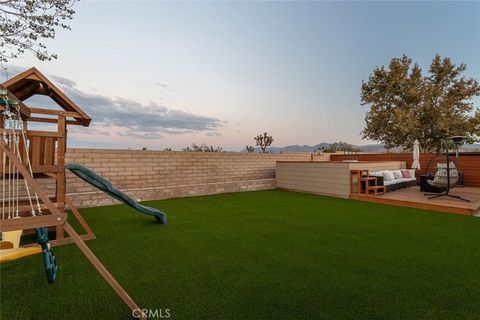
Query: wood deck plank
point(413, 198)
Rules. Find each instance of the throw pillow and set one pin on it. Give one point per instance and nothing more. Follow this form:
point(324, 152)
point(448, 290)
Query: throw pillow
point(405, 173)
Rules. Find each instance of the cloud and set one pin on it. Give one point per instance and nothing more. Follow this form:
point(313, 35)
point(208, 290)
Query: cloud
point(63, 81)
point(214, 134)
point(142, 84)
point(162, 85)
point(138, 120)
point(152, 118)
point(10, 72)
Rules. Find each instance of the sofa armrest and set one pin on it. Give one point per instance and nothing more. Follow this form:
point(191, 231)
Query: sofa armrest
point(379, 180)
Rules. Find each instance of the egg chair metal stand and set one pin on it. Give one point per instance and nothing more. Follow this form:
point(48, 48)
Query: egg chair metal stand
point(445, 177)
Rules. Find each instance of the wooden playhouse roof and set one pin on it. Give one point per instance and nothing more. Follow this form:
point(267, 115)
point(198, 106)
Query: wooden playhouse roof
point(32, 81)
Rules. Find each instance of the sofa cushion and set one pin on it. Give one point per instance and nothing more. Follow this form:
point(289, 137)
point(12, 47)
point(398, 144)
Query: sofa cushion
point(444, 165)
point(397, 174)
point(399, 181)
point(376, 174)
point(412, 173)
point(388, 175)
point(441, 177)
point(400, 184)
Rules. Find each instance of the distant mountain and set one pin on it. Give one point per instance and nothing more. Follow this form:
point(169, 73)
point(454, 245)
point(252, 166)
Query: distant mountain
point(369, 148)
point(471, 147)
point(373, 148)
point(295, 148)
point(307, 148)
point(292, 148)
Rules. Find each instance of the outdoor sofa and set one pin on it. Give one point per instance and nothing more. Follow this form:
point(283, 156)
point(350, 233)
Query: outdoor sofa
point(395, 179)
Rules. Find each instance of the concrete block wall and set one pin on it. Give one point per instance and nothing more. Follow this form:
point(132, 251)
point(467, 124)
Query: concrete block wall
point(153, 175)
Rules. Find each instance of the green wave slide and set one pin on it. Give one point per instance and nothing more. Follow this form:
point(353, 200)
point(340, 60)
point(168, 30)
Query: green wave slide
point(106, 186)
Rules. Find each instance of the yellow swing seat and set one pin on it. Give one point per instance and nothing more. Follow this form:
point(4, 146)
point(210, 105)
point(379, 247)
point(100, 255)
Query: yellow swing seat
point(10, 247)
point(7, 255)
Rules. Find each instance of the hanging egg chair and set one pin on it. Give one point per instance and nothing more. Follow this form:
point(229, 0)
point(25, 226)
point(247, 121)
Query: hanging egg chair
point(445, 175)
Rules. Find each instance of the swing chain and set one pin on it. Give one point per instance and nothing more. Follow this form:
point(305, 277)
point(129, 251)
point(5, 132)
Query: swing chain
point(49, 260)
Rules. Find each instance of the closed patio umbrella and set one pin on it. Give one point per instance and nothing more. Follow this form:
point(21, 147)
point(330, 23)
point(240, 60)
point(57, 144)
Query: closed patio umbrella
point(416, 155)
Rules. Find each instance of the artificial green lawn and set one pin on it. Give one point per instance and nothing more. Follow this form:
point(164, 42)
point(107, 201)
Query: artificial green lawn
point(261, 255)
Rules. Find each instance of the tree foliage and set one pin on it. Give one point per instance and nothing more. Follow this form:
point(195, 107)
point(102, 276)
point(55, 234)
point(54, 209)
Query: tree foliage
point(263, 141)
point(202, 148)
point(250, 149)
point(25, 23)
point(406, 105)
point(340, 147)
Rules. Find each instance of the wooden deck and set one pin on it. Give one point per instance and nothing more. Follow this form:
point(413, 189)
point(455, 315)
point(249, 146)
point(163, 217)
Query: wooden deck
point(413, 198)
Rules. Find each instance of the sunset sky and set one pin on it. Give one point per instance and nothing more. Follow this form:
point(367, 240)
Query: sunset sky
point(161, 74)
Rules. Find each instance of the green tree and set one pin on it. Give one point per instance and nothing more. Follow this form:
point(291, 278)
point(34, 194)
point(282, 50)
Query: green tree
point(202, 148)
point(25, 23)
point(340, 146)
point(250, 149)
point(406, 105)
point(263, 141)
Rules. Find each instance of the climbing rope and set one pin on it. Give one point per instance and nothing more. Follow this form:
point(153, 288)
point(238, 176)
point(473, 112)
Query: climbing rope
point(14, 137)
point(13, 123)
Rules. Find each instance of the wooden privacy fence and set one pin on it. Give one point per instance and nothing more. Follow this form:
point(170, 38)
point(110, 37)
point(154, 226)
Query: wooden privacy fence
point(469, 162)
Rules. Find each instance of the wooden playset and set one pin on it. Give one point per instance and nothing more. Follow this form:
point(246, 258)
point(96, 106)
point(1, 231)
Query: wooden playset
point(41, 152)
point(30, 155)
